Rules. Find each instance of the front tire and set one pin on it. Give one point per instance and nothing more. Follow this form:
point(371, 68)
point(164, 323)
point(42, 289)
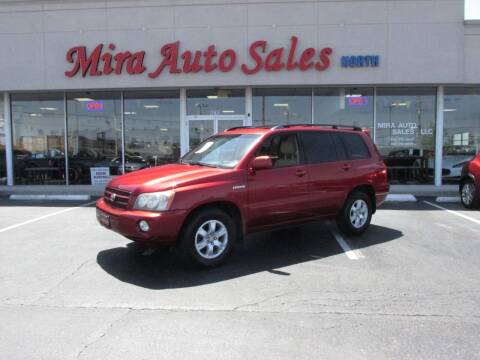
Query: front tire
point(469, 194)
point(356, 214)
point(208, 238)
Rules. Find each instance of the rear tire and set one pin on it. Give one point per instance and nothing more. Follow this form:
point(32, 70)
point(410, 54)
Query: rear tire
point(356, 214)
point(469, 194)
point(208, 238)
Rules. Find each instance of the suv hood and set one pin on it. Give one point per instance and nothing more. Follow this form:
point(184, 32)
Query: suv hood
point(163, 177)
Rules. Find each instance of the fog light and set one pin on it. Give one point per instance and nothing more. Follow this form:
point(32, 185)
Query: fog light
point(144, 225)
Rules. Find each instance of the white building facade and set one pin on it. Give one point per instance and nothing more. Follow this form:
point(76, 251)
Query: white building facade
point(94, 86)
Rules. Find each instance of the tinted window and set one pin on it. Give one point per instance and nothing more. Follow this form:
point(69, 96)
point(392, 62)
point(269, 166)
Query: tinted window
point(356, 148)
point(283, 149)
point(318, 147)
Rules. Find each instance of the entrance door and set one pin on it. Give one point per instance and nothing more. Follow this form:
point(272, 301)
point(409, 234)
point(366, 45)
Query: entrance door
point(200, 127)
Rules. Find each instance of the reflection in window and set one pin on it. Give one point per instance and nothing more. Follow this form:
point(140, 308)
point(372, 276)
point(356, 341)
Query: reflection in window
point(461, 129)
point(216, 102)
point(344, 106)
point(198, 131)
point(282, 106)
point(3, 163)
point(405, 132)
point(38, 138)
point(152, 128)
point(94, 134)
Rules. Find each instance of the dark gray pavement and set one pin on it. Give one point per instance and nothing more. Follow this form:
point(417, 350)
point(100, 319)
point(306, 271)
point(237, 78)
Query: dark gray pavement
point(408, 289)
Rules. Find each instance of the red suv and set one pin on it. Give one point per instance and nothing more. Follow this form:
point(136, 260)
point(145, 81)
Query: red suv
point(470, 183)
point(248, 179)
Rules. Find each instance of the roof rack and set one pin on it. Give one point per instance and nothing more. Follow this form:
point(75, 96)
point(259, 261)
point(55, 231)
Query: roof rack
point(247, 127)
point(333, 126)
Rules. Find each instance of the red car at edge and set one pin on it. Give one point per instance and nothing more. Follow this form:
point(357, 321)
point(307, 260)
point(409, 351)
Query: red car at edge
point(470, 183)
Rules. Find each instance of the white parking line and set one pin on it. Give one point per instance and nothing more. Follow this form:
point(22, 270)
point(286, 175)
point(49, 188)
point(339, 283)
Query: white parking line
point(352, 254)
point(453, 212)
point(44, 217)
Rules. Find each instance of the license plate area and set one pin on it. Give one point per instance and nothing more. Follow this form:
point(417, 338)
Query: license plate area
point(103, 218)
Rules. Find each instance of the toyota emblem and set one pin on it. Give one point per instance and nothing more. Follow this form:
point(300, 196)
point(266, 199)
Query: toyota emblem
point(113, 196)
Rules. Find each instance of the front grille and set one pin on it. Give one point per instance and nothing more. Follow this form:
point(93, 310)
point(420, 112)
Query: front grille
point(116, 197)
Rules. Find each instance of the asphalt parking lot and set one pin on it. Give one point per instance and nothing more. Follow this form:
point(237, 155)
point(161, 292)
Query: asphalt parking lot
point(408, 289)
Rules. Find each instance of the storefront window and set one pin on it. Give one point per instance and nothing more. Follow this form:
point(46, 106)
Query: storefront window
point(152, 128)
point(344, 106)
point(216, 102)
point(461, 130)
point(38, 138)
point(282, 106)
point(3, 163)
point(94, 136)
point(405, 133)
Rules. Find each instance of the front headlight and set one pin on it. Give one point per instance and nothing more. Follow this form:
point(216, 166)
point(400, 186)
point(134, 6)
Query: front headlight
point(158, 201)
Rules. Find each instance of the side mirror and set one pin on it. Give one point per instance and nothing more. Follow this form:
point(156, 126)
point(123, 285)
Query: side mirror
point(262, 163)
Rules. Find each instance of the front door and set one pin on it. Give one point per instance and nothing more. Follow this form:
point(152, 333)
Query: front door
point(279, 195)
point(200, 127)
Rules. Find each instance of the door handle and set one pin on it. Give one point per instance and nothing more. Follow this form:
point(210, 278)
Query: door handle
point(300, 172)
point(346, 167)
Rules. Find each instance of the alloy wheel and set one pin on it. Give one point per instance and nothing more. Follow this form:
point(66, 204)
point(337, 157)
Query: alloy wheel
point(468, 192)
point(358, 213)
point(211, 239)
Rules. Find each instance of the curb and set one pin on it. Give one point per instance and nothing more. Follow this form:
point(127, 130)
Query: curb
point(400, 198)
point(448, 199)
point(71, 197)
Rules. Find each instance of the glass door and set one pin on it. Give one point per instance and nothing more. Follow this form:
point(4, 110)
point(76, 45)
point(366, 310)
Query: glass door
point(202, 127)
point(213, 110)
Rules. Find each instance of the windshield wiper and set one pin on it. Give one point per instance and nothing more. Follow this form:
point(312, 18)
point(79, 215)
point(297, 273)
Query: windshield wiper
point(198, 163)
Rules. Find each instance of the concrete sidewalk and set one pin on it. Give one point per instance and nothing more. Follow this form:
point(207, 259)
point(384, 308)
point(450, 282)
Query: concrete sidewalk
point(97, 190)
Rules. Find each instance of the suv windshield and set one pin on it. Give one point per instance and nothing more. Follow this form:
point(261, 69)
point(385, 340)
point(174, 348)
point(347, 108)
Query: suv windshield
point(221, 151)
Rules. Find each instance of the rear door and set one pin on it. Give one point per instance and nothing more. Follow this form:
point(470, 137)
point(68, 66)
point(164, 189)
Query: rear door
point(326, 161)
point(280, 194)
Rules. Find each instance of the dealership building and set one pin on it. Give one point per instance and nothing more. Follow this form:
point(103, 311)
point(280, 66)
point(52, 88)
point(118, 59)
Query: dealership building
point(90, 89)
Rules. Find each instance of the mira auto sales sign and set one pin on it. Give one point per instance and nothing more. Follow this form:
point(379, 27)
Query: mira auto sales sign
point(106, 60)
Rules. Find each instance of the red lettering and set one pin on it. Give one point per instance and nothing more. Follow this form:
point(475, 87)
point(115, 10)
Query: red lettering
point(291, 64)
point(273, 62)
point(188, 66)
point(120, 59)
point(209, 55)
point(135, 63)
point(107, 63)
point(255, 56)
point(78, 56)
point(222, 65)
point(324, 62)
point(170, 55)
point(305, 58)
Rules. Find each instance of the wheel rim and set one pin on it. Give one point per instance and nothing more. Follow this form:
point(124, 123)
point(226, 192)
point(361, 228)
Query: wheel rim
point(211, 239)
point(467, 193)
point(358, 213)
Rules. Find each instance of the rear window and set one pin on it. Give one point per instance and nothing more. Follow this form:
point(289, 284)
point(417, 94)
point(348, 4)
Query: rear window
point(319, 147)
point(355, 146)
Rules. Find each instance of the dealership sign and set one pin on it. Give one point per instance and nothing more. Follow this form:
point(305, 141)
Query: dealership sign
point(105, 60)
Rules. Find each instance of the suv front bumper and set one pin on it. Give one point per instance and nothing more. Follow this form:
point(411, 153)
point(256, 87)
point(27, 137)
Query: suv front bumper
point(164, 226)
